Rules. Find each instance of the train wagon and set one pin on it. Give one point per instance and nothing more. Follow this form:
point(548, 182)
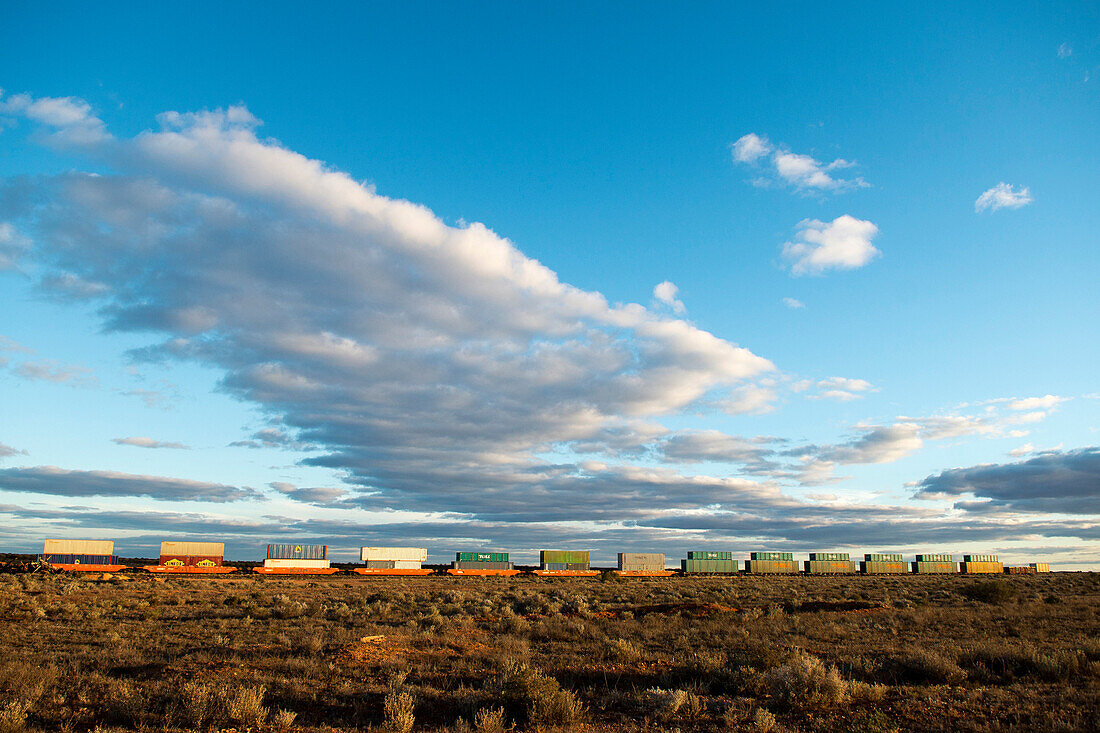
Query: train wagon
point(293, 559)
point(402, 561)
point(82, 555)
point(483, 564)
point(191, 557)
point(643, 565)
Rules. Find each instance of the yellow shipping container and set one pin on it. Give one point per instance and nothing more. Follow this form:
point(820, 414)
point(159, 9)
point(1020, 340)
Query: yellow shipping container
point(981, 567)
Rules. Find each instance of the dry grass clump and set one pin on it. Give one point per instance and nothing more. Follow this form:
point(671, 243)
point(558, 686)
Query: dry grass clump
point(399, 709)
point(13, 717)
point(806, 683)
point(246, 706)
point(541, 697)
point(489, 720)
point(282, 720)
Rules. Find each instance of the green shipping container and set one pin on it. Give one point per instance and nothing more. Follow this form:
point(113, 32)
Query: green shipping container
point(771, 556)
point(565, 556)
point(829, 556)
point(771, 567)
point(708, 566)
point(882, 557)
point(934, 566)
point(709, 555)
point(980, 558)
point(481, 556)
point(830, 567)
point(935, 558)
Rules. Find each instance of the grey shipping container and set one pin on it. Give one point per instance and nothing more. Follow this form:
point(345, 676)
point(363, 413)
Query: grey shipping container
point(381, 564)
point(829, 567)
point(641, 561)
point(935, 558)
point(882, 557)
point(297, 552)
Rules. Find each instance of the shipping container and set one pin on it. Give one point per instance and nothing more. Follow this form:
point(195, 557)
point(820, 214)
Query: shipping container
point(564, 566)
point(275, 562)
point(297, 552)
point(1041, 567)
point(419, 554)
point(771, 567)
point(482, 556)
point(79, 547)
point(829, 556)
point(200, 549)
point(483, 565)
point(829, 567)
point(564, 556)
point(56, 558)
point(771, 556)
point(980, 558)
point(709, 555)
point(882, 557)
point(190, 561)
point(935, 558)
point(934, 566)
point(381, 564)
point(641, 561)
point(723, 567)
point(1020, 570)
point(980, 567)
point(883, 567)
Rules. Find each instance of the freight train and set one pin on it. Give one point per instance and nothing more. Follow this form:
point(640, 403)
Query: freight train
point(302, 559)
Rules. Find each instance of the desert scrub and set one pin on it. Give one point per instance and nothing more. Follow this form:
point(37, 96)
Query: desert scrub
point(489, 720)
point(13, 717)
point(282, 720)
point(245, 705)
point(197, 705)
point(994, 592)
point(399, 709)
point(540, 697)
point(806, 683)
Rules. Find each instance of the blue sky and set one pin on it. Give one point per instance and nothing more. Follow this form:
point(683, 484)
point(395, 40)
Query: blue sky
point(876, 229)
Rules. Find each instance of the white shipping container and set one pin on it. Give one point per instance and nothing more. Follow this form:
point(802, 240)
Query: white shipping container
point(420, 554)
point(270, 563)
point(79, 547)
point(406, 565)
point(208, 549)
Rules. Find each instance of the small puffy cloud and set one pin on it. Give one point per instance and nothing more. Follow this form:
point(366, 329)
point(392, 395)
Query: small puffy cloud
point(317, 496)
point(752, 399)
point(273, 438)
point(145, 442)
point(48, 370)
point(750, 148)
point(666, 292)
point(842, 244)
point(1046, 402)
point(7, 451)
point(1003, 196)
point(801, 172)
point(64, 482)
point(793, 303)
point(1023, 450)
point(71, 117)
point(878, 444)
point(1054, 481)
point(842, 389)
point(1065, 51)
point(12, 246)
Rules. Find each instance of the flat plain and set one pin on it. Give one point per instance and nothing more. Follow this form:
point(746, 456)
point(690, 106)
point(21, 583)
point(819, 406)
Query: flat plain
point(922, 653)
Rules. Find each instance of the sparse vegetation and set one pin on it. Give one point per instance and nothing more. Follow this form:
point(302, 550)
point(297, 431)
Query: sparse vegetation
point(745, 654)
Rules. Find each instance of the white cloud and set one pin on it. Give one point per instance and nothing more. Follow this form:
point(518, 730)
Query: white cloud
point(1023, 450)
point(1046, 402)
point(49, 370)
point(750, 148)
point(666, 292)
point(1065, 51)
point(793, 303)
point(71, 117)
point(146, 442)
point(843, 389)
point(842, 244)
point(801, 172)
point(1002, 196)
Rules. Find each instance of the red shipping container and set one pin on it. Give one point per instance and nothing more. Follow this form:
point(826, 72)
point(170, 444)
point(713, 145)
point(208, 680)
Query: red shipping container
point(191, 561)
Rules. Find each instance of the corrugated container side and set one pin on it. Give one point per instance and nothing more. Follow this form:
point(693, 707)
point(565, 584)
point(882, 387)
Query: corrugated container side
point(980, 558)
point(830, 567)
point(933, 566)
point(771, 567)
point(289, 551)
point(1020, 570)
point(275, 562)
point(641, 561)
point(692, 565)
point(935, 558)
point(393, 553)
point(78, 547)
point(1041, 567)
point(381, 564)
point(771, 556)
point(191, 561)
point(568, 556)
point(58, 558)
point(883, 557)
point(876, 567)
point(482, 556)
point(200, 549)
point(483, 565)
point(709, 555)
point(829, 556)
point(981, 567)
point(407, 564)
